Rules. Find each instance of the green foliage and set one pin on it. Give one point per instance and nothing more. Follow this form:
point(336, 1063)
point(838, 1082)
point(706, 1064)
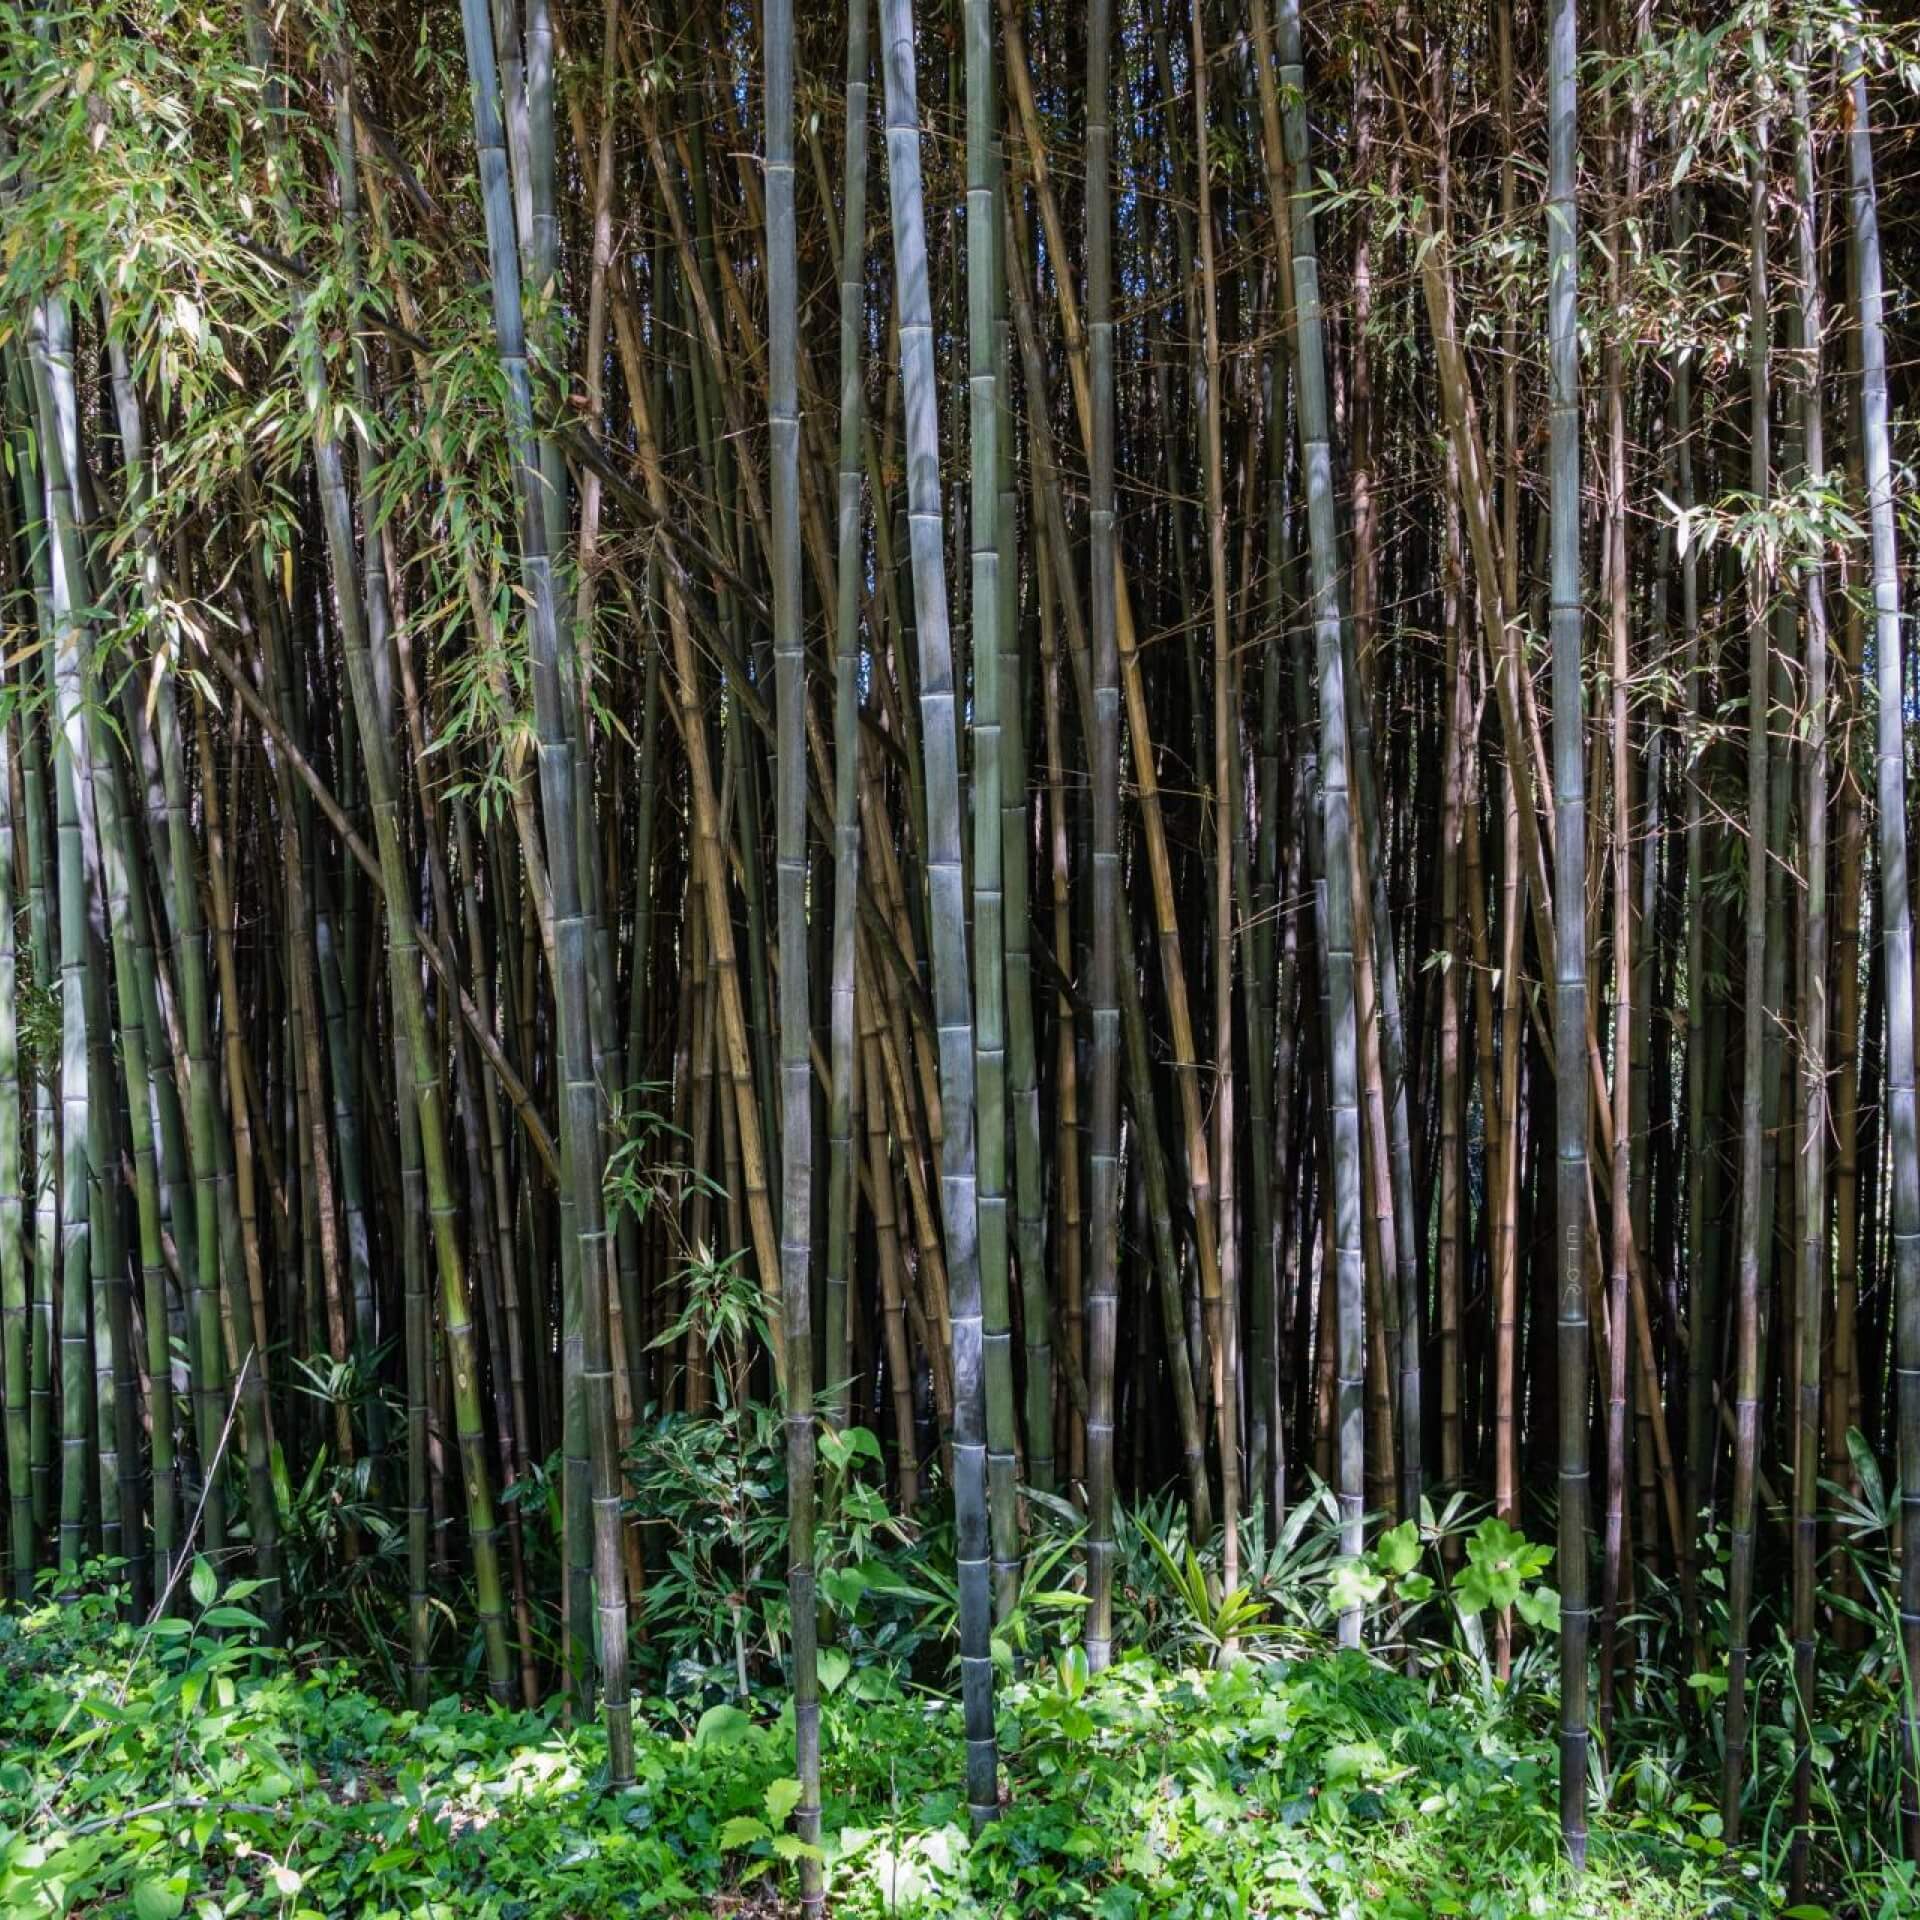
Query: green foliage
point(1501, 1575)
point(184, 1772)
point(1209, 1619)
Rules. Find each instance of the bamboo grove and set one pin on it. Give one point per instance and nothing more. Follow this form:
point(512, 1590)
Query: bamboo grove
point(1189, 771)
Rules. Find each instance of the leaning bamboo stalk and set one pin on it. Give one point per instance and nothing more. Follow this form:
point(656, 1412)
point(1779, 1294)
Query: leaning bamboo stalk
point(846, 721)
point(947, 909)
point(1623, 1243)
point(51, 349)
point(1843, 1383)
point(987, 605)
point(1222, 1305)
point(1755, 1215)
point(1103, 740)
point(248, 1371)
point(15, 1334)
point(41, 916)
point(1570, 914)
point(17, 1329)
point(1808, 324)
point(1702, 1275)
point(1896, 909)
point(121, 877)
point(566, 805)
point(796, 1082)
point(1337, 927)
point(1023, 1079)
point(892, 1267)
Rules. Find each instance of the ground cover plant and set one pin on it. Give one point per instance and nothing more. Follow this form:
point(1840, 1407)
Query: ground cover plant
point(199, 1774)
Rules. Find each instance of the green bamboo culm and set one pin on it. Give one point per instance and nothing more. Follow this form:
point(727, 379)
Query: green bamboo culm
point(17, 1329)
point(989, 996)
point(1756, 1145)
point(124, 922)
point(947, 906)
point(1570, 917)
point(572, 934)
point(15, 1333)
point(142, 1045)
point(1221, 1313)
point(42, 912)
point(416, 1338)
point(1023, 1079)
point(373, 573)
point(1343, 1043)
point(841, 1182)
point(247, 1414)
point(51, 351)
point(1103, 1147)
point(117, 1531)
point(790, 864)
point(1809, 327)
point(42, 963)
point(1896, 910)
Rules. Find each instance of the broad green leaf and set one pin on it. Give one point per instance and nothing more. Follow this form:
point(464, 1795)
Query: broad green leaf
point(232, 1617)
point(203, 1583)
point(1866, 1470)
point(835, 1664)
point(842, 1588)
point(721, 1727)
point(782, 1797)
point(742, 1831)
point(156, 1900)
point(1540, 1609)
point(1399, 1549)
point(1351, 1760)
point(1354, 1584)
point(1073, 1671)
point(1471, 1592)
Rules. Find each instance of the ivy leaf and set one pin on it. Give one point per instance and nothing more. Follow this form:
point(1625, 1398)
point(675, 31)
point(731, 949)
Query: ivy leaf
point(842, 1587)
point(835, 1665)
